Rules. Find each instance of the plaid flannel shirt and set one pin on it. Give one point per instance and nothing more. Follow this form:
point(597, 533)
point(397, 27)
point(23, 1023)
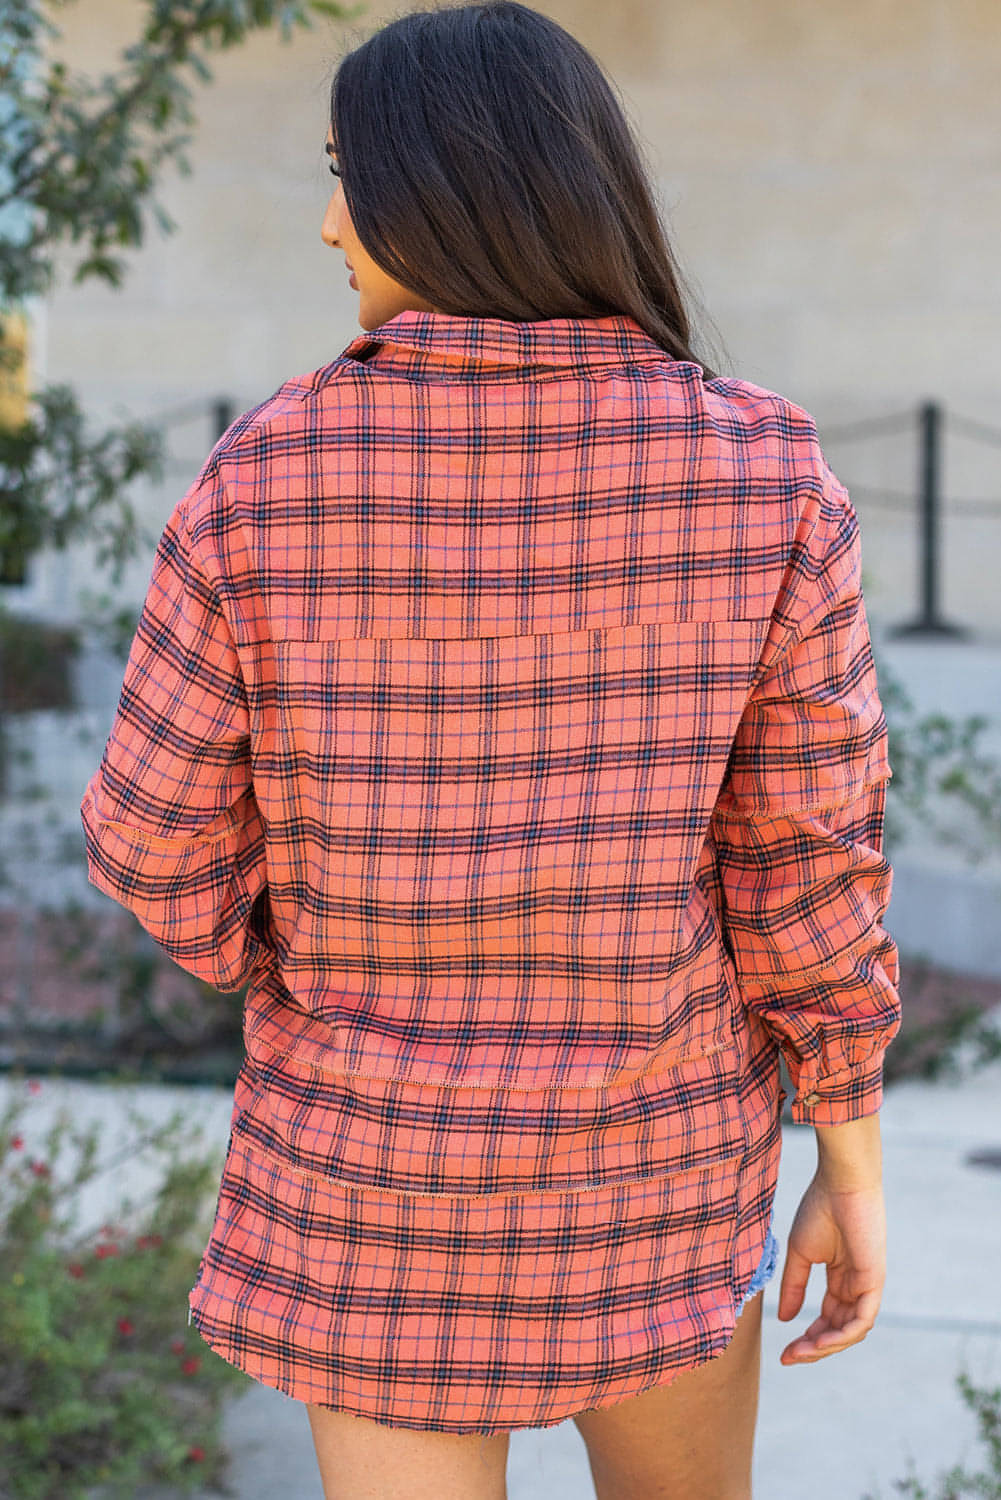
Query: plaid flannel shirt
point(502, 713)
point(453, 661)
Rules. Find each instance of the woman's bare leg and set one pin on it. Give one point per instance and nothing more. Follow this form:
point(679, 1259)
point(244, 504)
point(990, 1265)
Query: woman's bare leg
point(690, 1440)
point(363, 1460)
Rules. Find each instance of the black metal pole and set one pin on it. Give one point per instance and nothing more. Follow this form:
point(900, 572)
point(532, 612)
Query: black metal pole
point(222, 415)
point(929, 622)
point(931, 426)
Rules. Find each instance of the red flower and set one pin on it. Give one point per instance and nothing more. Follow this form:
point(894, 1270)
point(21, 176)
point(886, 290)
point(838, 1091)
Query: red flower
point(191, 1365)
point(125, 1325)
point(177, 1346)
point(101, 1251)
point(16, 1142)
point(196, 1453)
point(34, 1087)
point(41, 1169)
point(149, 1241)
point(76, 1269)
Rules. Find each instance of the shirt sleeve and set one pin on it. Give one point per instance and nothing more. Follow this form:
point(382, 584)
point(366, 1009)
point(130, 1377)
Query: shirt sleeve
point(171, 823)
point(798, 832)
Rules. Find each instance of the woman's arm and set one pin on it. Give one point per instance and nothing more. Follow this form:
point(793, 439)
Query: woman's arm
point(798, 830)
point(850, 1156)
point(171, 821)
point(841, 1224)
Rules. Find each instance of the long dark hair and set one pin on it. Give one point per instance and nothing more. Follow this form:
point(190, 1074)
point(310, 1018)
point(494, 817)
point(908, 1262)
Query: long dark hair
point(488, 166)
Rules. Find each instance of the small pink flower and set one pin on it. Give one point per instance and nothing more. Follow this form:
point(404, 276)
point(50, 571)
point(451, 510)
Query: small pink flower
point(125, 1325)
point(41, 1169)
point(149, 1241)
point(177, 1346)
point(191, 1365)
point(34, 1087)
point(102, 1251)
point(76, 1269)
point(16, 1142)
point(196, 1454)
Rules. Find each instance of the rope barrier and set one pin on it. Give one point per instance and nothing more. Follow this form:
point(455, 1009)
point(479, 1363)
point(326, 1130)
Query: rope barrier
point(980, 430)
point(893, 499)
point(969, 507)
point(926, 502)
point(869, 427)
point(882, 496)
point(203, 406)
point(904, 500)
point(908, 499)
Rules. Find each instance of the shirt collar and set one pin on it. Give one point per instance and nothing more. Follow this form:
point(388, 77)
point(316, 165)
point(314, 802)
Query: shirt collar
point(423, 342)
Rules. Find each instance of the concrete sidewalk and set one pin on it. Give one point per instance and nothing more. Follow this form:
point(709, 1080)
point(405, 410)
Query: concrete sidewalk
point(841, 1429)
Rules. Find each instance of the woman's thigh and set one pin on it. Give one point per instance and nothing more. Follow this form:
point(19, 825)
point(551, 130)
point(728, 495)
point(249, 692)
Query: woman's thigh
point(363, 1460)
point(690, 1440)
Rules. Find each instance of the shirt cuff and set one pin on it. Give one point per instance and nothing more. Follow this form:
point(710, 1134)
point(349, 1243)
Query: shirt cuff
point(840, 1097)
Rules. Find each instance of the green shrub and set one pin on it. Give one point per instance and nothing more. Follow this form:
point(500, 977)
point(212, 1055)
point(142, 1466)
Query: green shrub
point(102, 1382)
point(35, 663)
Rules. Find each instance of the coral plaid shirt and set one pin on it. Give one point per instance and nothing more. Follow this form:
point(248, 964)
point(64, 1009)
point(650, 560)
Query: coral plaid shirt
point(502, 699)
point(503, 714)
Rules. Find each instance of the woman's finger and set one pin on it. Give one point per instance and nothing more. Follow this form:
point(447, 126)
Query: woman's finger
point(836, 1338)
point(812, 1346)
point(792, 1288)
point(839, 1314)
point(818, 1326)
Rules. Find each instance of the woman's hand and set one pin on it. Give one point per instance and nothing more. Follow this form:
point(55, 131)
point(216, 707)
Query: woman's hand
point(845, 1229)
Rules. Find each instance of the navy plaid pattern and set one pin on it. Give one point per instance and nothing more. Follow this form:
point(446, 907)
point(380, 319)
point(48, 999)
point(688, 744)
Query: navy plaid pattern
point(502, 713)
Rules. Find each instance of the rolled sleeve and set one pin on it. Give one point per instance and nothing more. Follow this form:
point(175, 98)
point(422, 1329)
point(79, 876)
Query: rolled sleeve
point(171, 823)
point(798, 833)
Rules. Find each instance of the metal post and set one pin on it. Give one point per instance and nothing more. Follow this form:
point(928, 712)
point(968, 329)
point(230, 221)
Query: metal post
point(931, 426)
point(929, 622)
point(222, 415)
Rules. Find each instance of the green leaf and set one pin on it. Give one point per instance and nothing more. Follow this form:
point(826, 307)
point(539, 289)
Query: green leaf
point(103, 266)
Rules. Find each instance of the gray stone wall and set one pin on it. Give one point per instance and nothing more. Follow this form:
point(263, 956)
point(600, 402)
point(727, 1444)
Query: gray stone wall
point(829, 176)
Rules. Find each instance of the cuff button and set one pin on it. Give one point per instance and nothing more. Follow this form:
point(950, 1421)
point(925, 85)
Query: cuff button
point(811, 1099)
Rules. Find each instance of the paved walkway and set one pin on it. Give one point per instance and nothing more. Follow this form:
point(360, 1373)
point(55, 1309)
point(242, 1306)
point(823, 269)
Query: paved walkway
point(841, 1429)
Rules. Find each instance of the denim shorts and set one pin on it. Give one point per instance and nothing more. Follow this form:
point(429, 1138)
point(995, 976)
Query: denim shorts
point(766, 1267)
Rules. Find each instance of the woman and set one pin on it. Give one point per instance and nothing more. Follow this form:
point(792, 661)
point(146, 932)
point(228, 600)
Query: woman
point(503, 715)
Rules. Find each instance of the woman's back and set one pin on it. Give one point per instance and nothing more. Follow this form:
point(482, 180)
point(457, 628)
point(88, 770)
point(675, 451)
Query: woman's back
point(481, 622)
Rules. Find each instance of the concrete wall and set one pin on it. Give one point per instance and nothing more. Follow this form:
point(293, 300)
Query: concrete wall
point(829, 175)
